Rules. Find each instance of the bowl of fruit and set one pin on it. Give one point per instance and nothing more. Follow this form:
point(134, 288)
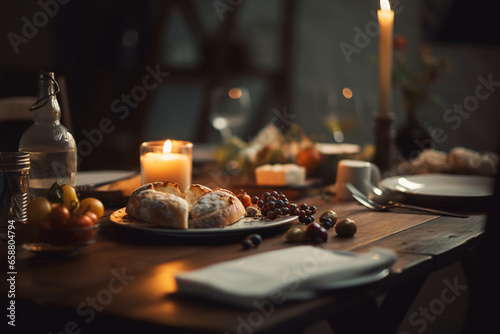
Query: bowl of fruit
point(61, 222)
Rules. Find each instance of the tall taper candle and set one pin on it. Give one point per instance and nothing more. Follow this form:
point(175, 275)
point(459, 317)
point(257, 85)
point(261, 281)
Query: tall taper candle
point(386, 22)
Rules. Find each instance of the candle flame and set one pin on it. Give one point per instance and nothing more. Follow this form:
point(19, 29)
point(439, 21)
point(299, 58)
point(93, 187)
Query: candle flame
point(385, 5)
point(167, 147)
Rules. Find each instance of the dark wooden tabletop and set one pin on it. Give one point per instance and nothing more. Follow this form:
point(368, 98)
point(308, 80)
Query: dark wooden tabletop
point(125, 280)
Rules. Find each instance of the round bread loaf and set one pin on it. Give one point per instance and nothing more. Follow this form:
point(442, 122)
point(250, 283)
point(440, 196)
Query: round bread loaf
point(164, 187)
point(217, 208)
point(159, 208)
point(163, 204)
point(195, 191)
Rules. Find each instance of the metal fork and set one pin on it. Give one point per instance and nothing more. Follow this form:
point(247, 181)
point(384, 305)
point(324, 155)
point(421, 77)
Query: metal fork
point(364, 200)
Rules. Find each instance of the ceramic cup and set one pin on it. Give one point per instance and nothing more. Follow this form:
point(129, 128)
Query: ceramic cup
point(359, 173)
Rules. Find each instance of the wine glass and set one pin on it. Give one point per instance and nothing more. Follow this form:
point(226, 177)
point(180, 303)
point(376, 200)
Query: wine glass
point(342, 111)
point(229, 107)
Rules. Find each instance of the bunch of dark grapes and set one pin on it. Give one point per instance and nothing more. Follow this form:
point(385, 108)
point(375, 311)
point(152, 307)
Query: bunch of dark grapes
point(275, 204)
point(306, 213)
point(272, 204)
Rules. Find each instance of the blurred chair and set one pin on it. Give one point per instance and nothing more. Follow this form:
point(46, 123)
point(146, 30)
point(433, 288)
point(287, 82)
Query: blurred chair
point(224, 58)
point(15, 118)
point(16, 108)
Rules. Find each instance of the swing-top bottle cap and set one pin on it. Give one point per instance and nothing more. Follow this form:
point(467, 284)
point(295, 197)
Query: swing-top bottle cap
point(45, 76)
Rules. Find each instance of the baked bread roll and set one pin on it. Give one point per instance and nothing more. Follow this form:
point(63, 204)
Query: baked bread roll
point(163, 204)
point(155, 207)
point(194, 192)
point(217, 208)
point(164, 187)
point(466, 161)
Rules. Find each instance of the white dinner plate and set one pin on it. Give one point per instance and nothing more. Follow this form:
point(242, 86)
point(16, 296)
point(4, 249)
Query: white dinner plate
point(100, 177)
point(244, 226)
point(441, 186)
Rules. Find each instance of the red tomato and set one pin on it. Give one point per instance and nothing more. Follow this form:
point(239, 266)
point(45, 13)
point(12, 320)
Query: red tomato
point(81, 221)
point(92, 216)
point(80, 228)
point(310, 158)
point(59, 217)
point(240, 191)
point(245, 199)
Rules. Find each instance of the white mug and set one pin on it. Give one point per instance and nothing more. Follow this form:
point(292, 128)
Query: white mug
point(359, 173)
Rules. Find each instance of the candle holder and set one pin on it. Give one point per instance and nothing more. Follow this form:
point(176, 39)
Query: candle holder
point(384, 143)
point(167, 161)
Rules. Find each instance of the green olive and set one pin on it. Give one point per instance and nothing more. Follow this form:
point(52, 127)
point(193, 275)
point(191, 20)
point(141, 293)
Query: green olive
point(346, 227)
point(296, 234)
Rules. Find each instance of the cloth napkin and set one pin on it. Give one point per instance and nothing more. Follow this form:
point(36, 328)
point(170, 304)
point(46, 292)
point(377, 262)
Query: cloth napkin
point(290, 273)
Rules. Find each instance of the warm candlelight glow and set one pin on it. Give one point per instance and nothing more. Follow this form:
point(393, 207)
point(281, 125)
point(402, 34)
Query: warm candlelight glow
point(385, 5)
point(167, 161)
point(167, 147)
point(220, 123)
point(235, 93)
point(347, 92)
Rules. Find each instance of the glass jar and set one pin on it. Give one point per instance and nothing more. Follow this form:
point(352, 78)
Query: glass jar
point(51, 146)
point(14, 173)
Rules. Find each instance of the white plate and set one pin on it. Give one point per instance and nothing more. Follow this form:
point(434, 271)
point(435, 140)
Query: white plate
point(243, 226)
point(441, 186)
point(92, 178)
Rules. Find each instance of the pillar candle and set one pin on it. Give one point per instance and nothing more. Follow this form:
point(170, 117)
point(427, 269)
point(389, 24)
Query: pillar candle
point(166, 166)
point(386, 22)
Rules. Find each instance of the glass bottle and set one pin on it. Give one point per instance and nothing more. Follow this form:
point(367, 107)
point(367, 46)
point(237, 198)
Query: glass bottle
point(51, 146)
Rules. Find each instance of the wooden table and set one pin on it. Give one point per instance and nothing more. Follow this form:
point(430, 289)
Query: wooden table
point(125, 280)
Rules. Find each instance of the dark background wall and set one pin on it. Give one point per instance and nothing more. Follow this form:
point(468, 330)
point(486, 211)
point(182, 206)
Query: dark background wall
point(103, 49)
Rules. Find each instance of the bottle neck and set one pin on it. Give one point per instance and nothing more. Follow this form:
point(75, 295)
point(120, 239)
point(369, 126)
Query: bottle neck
point(50, 112)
